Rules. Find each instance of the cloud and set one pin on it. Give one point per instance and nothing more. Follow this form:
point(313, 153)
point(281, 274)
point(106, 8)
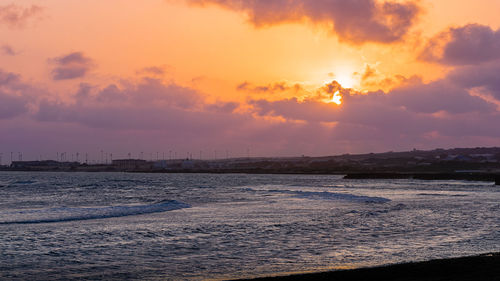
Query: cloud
point(223, 107)
point(153, 70)
point(12, 102)
point(8, 50)
point(151, 114)
point(268, 89)
point(412, 111)
point(11, 106)
point(7, 79)
point(15, 16)
point(474, 51)
point(150, 104)
point(372, 79)
point(438, 96)
point(71, 66)
point(356, 21)
point(484, 76)
point(466, 45)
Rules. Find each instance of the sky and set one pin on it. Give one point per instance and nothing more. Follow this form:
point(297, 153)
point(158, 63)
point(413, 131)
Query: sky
point(233, 78)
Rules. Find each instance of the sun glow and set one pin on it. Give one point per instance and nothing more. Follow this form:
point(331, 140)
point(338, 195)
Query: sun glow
point(345, 80)
point(336, 98)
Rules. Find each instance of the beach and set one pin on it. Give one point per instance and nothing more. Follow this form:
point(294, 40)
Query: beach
point(484, 267)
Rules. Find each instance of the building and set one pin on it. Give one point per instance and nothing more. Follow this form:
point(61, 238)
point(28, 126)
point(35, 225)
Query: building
point(131, 164)
point(42, 165)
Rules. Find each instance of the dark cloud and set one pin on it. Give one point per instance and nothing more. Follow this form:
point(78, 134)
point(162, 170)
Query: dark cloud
point(485, 76)
point(268, 89)
point(12, 102)
point(223, 107)
point(355, 21)
point(11, 106)
point(438, 96)
point(467, 45)
point(153, 70)
point(150, 104)
point(474, 50)
point(71, 66)
point(13, 15)
point(8, 79)
point(8, 50)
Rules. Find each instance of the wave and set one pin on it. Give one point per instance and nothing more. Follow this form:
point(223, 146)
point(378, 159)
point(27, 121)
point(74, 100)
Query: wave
point(76, 214)
point(440, 195)
point(334, 196)
point(24, 182)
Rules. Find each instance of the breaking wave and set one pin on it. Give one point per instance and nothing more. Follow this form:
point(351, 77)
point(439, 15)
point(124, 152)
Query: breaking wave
point(333, 196)
point(75, 214)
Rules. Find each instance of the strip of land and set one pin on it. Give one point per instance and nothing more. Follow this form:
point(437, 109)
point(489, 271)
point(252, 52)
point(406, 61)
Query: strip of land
point(468, 176)
point(474, 164)
point(484, 267)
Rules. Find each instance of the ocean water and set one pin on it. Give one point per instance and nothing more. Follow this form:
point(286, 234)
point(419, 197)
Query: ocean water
point(118, 226)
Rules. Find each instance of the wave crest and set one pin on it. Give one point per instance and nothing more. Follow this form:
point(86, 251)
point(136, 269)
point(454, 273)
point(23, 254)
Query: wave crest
point(75, 214)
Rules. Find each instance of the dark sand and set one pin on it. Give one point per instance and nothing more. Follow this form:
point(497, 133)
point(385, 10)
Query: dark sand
point(476, 268)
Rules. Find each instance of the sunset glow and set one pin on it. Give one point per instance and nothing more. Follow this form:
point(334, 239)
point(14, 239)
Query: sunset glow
point(206, 75)
point(336, 98)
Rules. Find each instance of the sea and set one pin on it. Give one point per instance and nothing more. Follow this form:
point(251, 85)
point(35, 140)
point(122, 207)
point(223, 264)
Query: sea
point(138, 226)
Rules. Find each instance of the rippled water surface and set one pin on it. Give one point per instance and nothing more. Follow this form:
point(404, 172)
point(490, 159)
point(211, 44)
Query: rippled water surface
point(60, 226)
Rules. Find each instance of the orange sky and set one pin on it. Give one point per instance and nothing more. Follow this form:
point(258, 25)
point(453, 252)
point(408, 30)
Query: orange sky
point(213, 49)
point(123, 36)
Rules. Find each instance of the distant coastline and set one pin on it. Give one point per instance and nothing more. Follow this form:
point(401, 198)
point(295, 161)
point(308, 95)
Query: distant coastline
point(474, 164)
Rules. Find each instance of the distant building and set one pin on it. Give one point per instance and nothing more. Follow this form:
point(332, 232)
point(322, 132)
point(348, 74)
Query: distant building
point(131, 164)
point(160, 164)
point(42, 164)
point(187, 164)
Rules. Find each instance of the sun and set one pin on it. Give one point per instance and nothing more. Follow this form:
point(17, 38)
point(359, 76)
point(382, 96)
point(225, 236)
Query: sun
point(336, 98)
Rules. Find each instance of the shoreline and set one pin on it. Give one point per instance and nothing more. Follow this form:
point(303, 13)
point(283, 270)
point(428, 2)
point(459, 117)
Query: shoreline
point(484, 267)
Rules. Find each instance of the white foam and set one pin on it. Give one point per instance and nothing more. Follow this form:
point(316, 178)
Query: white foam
point(74, 214)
